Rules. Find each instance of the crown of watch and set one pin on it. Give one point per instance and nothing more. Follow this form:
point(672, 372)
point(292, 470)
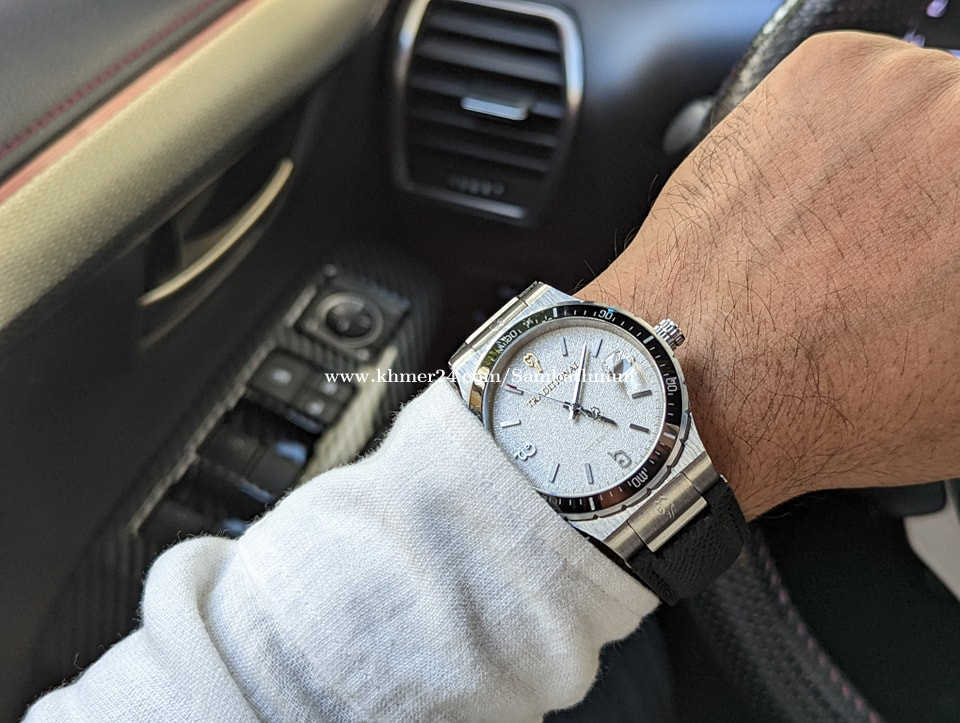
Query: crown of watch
point(669, 332)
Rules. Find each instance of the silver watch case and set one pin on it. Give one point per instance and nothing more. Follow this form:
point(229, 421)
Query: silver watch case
point(659, 509)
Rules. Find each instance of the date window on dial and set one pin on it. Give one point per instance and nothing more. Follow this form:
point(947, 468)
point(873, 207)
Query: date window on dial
point(622, 369)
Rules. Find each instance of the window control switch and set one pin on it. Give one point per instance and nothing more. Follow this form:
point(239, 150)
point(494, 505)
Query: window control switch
point(172, 521)
point(339, 391)
point(280, 377)
point(230, 449)
point(318, 407)
point(275, 473)
point(224, 493)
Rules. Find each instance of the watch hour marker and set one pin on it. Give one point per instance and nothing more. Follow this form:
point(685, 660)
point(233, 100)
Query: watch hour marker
point(641, 394)
point(512, 389)
point(589, 472)
point(514, 423)
point(531, 360)
point(556, 471)
point(596, 350)
point(563, 346)
point(639, 428)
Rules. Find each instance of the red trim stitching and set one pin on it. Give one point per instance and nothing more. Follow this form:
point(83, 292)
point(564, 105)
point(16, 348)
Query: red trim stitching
point(83, 91)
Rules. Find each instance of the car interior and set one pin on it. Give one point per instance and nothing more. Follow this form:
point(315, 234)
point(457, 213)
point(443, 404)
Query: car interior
point(212, 209)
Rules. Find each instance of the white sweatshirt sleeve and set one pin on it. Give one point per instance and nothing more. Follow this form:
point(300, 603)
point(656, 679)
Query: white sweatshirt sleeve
point(426, 582)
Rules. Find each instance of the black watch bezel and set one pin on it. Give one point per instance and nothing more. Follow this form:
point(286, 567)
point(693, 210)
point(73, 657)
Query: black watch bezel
point(646, 476)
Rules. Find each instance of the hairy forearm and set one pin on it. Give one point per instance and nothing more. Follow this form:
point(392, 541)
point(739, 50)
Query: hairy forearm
point(808, 252)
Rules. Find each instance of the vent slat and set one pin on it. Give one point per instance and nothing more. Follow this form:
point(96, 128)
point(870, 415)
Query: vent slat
point(480, 152)
point(513, 132)
point(435, 82)
point(495, 30)
point(454, 136)
point(492, 60)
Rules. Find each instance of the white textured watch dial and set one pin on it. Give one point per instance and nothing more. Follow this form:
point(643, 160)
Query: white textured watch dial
point(578, 404)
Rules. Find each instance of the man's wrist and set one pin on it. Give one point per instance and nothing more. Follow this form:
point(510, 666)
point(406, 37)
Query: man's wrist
point(717, 404)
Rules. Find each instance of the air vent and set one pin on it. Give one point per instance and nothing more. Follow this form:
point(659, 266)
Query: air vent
point(486, 97)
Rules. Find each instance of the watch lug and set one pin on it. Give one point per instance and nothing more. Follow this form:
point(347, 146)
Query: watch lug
point(665, 509)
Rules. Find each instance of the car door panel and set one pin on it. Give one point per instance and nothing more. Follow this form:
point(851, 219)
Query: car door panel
point(60, 59)
point(87, 398)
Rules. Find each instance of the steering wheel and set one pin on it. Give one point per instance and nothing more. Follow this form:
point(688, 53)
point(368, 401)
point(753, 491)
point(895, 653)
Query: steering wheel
point(796, 20)
point(748, 618)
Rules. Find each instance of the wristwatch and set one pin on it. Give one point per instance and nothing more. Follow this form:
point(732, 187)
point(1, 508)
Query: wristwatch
point(591, 405)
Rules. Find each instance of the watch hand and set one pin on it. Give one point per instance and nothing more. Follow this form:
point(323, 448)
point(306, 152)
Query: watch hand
point(578, 389)
point(593, 412)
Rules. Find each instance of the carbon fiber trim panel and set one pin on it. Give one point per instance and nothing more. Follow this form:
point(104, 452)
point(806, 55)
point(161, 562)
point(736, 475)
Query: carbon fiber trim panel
point(99, 605)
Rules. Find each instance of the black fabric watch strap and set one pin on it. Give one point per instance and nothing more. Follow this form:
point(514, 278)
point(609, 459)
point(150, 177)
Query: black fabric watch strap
point(699, 553)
